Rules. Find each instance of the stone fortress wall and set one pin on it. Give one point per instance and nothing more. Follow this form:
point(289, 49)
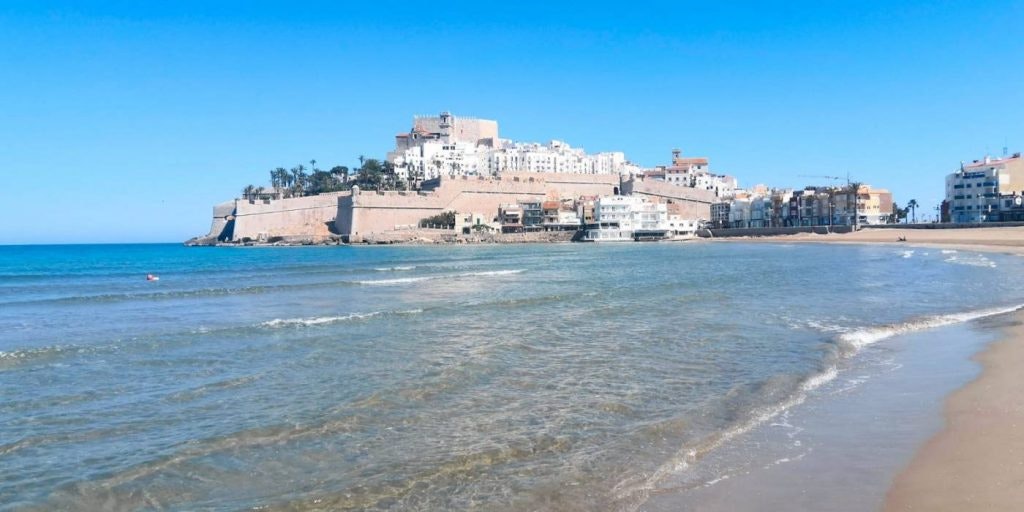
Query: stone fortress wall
point(223, 224)
point(368, 212)
point(310, 217)
point(355, 215)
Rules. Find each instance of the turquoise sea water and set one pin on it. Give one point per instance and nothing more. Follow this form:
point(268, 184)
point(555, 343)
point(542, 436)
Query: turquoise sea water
point(500, 377)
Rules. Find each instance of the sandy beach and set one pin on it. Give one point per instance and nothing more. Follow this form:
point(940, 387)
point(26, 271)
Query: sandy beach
point(977, 461)
point(1005, 239)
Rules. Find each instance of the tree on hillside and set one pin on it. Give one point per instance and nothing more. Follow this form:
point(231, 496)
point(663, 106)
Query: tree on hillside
point(275, 181)
point(284, 179)
point(340, 172)
point(299, 180)
point(370, 175)
point(912, 206)
point(322, 181)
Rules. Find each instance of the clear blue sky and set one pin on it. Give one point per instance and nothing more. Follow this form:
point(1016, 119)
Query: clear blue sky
point(126, 121)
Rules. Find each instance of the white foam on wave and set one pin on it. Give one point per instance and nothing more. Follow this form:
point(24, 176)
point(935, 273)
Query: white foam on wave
point(492, 273)
point(856, 338)
point(820, 379)
point(684, 459)
point(908, 254)
point(397, 281)
point(863, 337)
point(977, 260)
point(322, 320)
point(318, 320)
point(949, 251)
point(396, 269)
point(407, 280)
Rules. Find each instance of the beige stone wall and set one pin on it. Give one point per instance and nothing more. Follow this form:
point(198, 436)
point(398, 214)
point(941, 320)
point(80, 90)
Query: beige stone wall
point(300, 217)
point(374, 212)
point(223, 213)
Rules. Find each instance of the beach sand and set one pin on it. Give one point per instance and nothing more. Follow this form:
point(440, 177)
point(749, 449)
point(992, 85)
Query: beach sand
point(977, 461)
point(1005, 239)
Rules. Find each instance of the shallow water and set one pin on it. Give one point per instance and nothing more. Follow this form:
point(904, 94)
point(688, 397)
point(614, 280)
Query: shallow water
point(515, 377)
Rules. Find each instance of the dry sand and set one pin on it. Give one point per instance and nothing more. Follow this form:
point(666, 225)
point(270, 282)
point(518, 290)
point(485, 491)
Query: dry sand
point(977, 461)
point(1006, 240)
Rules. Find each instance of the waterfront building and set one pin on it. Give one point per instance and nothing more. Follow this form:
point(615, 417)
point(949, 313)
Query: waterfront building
point(533, 215)
point(720, 214)
point(560, 215)
point(511, 218)
point(626, 218)
point(979, 191)
point(467, 223)
point(873, 206)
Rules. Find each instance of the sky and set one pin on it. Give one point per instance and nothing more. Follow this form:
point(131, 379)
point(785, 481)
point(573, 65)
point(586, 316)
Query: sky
point(125, 121)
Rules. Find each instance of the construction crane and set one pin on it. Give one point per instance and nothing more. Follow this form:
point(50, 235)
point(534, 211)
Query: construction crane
point(833, 178)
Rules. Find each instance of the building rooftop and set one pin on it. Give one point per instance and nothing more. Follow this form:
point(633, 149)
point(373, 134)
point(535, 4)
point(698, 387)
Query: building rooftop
point(989, 162)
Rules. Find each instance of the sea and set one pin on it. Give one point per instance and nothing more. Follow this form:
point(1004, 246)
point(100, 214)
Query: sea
point(633, 376)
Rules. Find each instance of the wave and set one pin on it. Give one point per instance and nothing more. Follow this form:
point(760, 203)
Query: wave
point(400, 280)
point(322, 320)
point(858, 339)
point(407, 280)
point(177, 294)
point(394, 269)
point(977, 260)
point(18, 357)
point(636, 493)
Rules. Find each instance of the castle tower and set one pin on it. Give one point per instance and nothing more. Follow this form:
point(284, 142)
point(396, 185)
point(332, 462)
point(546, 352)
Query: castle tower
point(446, 126)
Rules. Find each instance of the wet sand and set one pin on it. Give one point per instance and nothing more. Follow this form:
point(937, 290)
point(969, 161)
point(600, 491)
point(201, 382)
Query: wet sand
point(977, 461)
point(1005, 240)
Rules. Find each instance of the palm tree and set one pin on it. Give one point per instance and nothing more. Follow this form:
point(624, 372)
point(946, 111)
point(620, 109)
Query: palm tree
point(912, 204)
point(247, 191)
point(312, 165)
point(274, 180)
point(299, 180)
point(259, 192)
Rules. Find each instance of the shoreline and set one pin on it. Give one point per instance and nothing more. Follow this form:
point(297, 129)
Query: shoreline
point(976, 462)
point(1005, 240)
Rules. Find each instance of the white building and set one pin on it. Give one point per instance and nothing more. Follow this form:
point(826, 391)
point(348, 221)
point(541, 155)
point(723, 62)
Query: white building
point(694, 172)
point(973, 192)
point(624, 218)
point(451, 146)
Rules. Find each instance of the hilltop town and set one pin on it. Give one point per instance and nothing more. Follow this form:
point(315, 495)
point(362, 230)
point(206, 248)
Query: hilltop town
point(454, 179)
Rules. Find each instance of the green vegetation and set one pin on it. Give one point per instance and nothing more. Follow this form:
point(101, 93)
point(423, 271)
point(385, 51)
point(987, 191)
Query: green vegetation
point(372, 174)
point(912, 206)
point(444, 220)
point(898, 214)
